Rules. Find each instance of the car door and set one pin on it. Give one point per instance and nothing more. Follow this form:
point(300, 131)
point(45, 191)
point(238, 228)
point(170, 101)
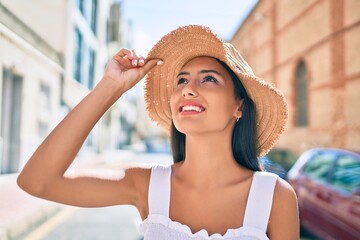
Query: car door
point(344, 218)
point(313, 192)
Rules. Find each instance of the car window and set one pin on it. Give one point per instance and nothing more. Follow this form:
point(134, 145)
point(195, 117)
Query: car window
point(320, 165)
point(347, 173)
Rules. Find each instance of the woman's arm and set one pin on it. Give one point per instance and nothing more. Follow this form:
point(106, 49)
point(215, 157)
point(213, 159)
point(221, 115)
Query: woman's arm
point(44, 174)
point(284, 217)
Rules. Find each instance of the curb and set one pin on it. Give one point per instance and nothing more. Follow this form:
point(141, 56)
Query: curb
point(3, 235)
point(19, 211)
point(25, 225)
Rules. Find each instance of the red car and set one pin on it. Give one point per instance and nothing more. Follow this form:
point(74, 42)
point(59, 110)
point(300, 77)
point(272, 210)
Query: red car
point(327, 183)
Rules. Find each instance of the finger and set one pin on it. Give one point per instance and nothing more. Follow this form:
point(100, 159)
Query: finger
point(124, 62)
point(125, 53)
point(124, 57)
point(141, 61)
point(134, 53)
point(150, 64)
point(137, 59)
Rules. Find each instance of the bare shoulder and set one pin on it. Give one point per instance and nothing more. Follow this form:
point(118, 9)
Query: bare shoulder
point(284, 217)
point(284, 192)
point(139, 175)
point(138, 170)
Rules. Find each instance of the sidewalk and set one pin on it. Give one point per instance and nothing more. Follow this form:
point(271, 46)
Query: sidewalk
point(20, 211)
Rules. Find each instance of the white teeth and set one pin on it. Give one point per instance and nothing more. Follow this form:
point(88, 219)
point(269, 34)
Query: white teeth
point(192, 108)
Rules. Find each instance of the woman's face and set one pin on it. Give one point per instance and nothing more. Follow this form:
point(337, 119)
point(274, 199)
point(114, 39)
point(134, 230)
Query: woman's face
point(203, 99)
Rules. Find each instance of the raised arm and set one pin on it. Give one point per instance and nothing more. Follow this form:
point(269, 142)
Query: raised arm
point(43, 175)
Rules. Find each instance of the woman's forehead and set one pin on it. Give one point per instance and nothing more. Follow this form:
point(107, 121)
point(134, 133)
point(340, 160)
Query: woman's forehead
point(203, 62)
point(199, 64)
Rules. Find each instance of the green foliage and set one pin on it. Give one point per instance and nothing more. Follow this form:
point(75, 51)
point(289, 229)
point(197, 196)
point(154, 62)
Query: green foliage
point(285, 157)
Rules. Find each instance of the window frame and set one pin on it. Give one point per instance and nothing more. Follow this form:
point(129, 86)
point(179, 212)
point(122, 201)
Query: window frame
point(301, 88)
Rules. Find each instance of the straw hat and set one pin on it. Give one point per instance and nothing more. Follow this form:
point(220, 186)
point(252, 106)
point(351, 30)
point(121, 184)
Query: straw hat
point(185, 43)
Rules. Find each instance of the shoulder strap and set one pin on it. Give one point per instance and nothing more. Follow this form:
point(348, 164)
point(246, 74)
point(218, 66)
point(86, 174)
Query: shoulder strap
point(159, 190)
point(260, 199)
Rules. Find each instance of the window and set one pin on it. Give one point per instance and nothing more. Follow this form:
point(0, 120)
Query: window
point(89, 142)
point(301, 90)
point(44, 108)
point(347, 173)
point(91, 68)
point(320, 166)
point(78, 46)
point(10, 121)
point(113, 23)
point(80, 5)
point(88, 9)
point(93, 15)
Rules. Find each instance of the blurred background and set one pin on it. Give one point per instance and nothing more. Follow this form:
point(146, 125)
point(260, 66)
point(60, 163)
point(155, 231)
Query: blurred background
point(52, 53)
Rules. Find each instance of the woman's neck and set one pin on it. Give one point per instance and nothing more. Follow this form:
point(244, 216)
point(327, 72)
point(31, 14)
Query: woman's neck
point(209, 161)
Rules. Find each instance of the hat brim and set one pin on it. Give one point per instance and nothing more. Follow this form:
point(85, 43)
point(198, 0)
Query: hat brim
point(186, 43)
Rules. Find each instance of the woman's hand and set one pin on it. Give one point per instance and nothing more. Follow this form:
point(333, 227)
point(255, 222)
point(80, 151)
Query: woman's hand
point(127, 68)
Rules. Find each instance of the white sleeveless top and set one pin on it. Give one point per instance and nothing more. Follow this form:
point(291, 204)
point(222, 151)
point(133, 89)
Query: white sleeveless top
point(158, 225)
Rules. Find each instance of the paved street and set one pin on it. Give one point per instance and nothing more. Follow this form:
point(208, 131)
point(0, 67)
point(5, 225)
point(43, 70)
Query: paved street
point(111, 223)
point(117, 222)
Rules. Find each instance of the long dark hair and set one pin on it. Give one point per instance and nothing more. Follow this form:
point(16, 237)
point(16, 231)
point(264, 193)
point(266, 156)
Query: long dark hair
point(244, 144)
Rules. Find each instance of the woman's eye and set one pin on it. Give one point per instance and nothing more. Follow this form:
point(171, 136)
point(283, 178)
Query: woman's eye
point(181, 81)
point(209, 79)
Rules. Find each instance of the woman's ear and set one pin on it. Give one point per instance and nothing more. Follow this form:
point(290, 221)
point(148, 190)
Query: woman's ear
point(239, 109)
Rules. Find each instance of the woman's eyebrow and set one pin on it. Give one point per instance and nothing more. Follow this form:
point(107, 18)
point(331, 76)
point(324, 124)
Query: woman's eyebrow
point(182, 73)
point(210, 71)
point(201, 71)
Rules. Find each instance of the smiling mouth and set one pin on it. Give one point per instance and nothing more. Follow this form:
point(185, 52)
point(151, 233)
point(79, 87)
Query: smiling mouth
point(189, 108)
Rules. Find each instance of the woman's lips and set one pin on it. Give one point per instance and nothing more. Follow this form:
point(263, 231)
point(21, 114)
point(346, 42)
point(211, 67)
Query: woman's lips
point(191, 108)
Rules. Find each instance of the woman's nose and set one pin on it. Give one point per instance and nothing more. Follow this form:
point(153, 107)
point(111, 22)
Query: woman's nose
point(189, 91)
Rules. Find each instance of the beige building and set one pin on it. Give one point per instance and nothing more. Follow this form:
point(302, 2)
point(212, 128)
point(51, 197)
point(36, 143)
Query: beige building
point(310, 50)
point(51, 55)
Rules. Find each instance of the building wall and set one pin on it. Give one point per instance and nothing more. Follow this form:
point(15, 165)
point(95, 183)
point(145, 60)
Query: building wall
point(46, 18)
point(324, 34)
point(38, 107)
point(37, 45)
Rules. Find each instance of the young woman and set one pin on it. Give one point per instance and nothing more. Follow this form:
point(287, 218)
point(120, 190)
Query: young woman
point(221, 118)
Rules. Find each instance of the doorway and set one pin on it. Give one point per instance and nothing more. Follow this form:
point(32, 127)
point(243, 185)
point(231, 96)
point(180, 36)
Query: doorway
point(11, 101)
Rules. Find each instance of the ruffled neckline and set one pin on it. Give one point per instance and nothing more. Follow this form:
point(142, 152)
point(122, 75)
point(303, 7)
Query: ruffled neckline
point(203, 233)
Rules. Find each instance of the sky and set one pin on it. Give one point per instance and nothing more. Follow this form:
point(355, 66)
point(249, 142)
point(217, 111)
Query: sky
point(151, 19)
